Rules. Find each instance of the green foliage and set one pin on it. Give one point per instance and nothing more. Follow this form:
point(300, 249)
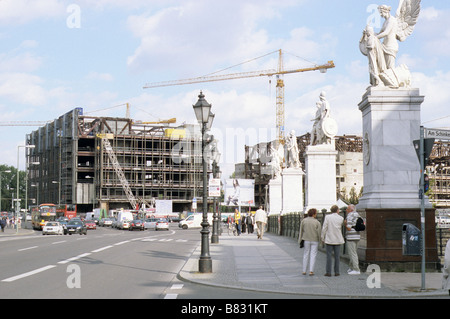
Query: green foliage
point(8, 176)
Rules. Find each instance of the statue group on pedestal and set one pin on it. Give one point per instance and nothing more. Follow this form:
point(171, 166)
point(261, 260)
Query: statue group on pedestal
point(324, 130)
point(382, 55)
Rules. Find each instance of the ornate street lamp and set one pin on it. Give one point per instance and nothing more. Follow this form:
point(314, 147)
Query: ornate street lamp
point(205, 118)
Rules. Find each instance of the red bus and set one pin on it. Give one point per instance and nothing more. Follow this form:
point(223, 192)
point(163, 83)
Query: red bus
point(69, 211)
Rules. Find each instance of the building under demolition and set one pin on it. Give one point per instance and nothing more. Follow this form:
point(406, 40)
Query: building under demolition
point(113, 163)
point(349, 165)
point(349, 169)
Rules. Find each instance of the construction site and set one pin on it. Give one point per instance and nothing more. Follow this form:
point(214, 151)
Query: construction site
point(113, 163)
point(116, 163)
point(349, 165)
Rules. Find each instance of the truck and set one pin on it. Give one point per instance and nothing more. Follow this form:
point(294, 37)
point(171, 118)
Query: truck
point(194, 221)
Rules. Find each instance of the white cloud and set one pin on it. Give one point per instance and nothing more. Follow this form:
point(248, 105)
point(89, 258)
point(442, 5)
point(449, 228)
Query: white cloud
point(100, 76)
point(437, 98)
point(22, 88)
point(17, 12)
point(196, 36)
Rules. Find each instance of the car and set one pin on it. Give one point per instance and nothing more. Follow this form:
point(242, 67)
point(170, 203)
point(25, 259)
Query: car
point(124, 224)
point(162, 224)
point(52, 227)
point(75, 227)
point(136, 224)
point(105, 222)
point(150, 223)
point(90, 224)
point(63, 221)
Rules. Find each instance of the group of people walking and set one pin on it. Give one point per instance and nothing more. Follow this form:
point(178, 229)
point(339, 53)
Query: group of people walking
point(248, 222)
point(330, 233)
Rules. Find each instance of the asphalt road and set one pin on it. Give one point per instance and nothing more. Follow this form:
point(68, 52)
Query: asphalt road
point(105, 263)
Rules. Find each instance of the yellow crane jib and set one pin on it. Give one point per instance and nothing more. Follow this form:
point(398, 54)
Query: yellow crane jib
point(280, 84)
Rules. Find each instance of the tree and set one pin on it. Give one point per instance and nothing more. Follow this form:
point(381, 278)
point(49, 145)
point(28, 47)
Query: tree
point(8, 175)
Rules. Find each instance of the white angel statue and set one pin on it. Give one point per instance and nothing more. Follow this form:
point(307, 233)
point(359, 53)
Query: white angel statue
point(382, 55)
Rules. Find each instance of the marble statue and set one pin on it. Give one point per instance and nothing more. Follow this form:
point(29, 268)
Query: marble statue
point(276, 161)
point(324, 127)
point(292, 151)
point(382, 55)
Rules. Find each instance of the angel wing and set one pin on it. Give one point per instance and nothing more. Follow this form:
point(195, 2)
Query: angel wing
point(407, 15)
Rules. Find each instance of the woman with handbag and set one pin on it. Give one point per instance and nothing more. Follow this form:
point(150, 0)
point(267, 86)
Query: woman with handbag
point(309, 237)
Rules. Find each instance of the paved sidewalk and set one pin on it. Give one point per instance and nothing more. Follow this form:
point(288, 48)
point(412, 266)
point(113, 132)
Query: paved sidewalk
point(8, 232)
point(274, 264)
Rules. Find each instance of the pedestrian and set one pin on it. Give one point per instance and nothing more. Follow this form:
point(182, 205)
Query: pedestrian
point(3, 224)
point(244, 223)
point(353, 238)
point(333, 239)
point(250, 223)
point(446, 269)
point(237, 220)
point(261, 221)
point(310, 229)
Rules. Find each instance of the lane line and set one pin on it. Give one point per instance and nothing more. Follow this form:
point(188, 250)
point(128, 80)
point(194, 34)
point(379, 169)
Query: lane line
point(30, 273)
point(59, 242)
point(73, 258)
point(28, 248)
point(171, 296)
point(177, 286)
point(100, 249)
point(121, 243)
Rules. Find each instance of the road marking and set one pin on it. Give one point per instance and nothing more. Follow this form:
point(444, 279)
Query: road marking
point(171, 296)
point(59, 242)
point(122, 242)
point(177, 286)
point(73, 258)
point(100, 249)
point(28, 273)
point(28, 248)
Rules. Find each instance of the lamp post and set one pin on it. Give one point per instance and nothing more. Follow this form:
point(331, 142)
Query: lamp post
point(205, 118)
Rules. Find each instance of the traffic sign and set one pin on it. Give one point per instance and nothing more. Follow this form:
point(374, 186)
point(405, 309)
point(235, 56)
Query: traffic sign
point(437, 134)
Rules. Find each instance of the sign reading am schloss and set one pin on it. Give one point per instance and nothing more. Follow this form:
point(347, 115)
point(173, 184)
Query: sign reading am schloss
point(438, 134)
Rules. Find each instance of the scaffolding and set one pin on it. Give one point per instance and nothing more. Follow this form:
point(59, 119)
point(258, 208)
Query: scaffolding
point(438, 169)
point(258, 157)
point(157, 161)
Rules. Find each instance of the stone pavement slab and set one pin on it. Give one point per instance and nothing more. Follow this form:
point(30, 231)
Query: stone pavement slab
point(274, 264)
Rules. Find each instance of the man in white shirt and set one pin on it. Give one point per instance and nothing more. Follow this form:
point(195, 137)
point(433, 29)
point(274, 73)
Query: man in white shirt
point(333, 239)
point(260, 220)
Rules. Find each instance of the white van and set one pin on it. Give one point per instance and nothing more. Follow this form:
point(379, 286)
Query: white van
point(121, 216)
point(194, 221)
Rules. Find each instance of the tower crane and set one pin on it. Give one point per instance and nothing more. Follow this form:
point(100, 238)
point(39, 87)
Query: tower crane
point(280, 84)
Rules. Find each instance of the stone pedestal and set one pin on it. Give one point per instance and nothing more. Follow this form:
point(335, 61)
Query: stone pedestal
point(391, 121)
point(320, 168)
point(275, 197)
point(292, 190)
point(286, 192)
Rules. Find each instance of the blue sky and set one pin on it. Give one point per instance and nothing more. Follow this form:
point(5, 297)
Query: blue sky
point(56, 55)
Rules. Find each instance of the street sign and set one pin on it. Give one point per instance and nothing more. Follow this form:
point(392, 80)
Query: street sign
point(437, 134)
point(214, 187)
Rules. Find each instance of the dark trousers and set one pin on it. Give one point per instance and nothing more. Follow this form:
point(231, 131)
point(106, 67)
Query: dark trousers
point(336, 249)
